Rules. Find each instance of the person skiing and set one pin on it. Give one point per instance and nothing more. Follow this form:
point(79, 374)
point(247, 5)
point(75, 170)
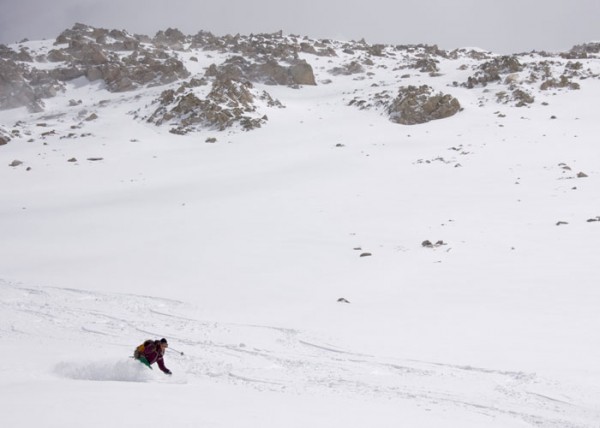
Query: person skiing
point(152, 351)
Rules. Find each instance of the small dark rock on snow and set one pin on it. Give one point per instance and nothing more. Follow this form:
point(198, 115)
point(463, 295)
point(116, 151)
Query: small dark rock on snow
point(427, 244)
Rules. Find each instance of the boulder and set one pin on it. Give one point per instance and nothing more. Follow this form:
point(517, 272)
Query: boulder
point(354, 67)
point(415, 105)
point(302, 74)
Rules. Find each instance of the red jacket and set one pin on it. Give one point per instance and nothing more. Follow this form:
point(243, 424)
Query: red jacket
point(154, 354)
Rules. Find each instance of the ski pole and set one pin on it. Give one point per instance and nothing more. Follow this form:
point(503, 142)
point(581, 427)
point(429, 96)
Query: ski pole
point(173, 349)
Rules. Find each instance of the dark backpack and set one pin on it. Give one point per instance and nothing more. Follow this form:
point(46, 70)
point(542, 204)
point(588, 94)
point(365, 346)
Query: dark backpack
point(139, 351)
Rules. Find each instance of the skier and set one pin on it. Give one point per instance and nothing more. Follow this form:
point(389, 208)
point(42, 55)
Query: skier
point(152, 351)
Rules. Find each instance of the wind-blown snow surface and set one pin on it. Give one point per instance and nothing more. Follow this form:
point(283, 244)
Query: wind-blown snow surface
point(238, 251)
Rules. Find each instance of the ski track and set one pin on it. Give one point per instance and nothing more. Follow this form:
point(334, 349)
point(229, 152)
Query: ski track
point(285, 360)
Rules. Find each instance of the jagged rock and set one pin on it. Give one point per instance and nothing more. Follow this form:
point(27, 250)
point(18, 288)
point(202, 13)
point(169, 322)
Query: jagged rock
point(582, 51)
point(15, 163)
point(172, 38)
point(271, 102)
point(376, 50)
point(4, 136)
point(519, 96)
point(426, 50)
point(86, 51)
point(522, 97)
point(229, 102)
point(270, 72)
point(66, 74)
point(415, 105)
point(473, 54)
point(426, 65)
point(57, 55)
point(353, 67)
point(564, 82)
point(21, 86)
point(91, 55)
point(308, 48)
point(491, 71)
point(259, 47)
point(9, 54)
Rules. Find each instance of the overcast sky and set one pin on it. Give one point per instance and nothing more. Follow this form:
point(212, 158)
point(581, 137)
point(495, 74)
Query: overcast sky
point(506, 26)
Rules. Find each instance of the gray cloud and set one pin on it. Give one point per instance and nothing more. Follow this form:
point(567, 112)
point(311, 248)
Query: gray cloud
point(508, 26)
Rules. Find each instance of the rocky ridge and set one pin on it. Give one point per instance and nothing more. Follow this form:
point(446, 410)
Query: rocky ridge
point(232, 91)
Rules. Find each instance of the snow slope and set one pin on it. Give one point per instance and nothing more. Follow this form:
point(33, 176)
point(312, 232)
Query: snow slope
point(238, 251)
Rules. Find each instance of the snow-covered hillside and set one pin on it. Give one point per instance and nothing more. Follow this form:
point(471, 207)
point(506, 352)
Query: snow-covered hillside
point(227, 192)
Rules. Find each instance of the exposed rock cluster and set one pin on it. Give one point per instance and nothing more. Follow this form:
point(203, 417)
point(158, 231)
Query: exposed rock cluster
point(228, 102)
point(269, 72)
point(4, 136)
point(583, 51)
point(493, 70)
point(227, 93)
point(122, 61)
point(353, 67)
point(232, 99)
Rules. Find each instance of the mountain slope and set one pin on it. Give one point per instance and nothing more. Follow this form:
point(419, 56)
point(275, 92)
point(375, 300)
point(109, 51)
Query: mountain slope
point(236, 244)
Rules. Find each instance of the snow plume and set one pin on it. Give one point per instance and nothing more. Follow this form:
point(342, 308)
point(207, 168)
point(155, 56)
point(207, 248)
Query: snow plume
point(120, 371)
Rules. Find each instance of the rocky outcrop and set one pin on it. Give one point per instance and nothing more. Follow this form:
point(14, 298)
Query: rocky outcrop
point(135, 71)
point(583, 51)
point(415, 105)
point(562, 82)
point(493, 70)
point(269, 73)
point(21, 86)
point(172, 38)
point(426, 65)
point(4, 136)
point(232, 99)
point(91, 52)
point(113, 40)
point(229, 102)
point(422, 49)
point(11, 55)
point(520, 97)
point(353, 67)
